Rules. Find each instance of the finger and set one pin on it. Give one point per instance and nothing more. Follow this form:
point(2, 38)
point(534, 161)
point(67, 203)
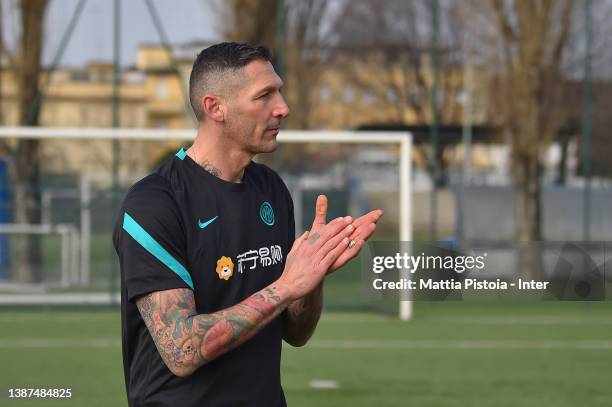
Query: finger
point(334, 254)
point(353, 249)
point(320, 211)
point(298, 242)
point(336, 226)
point(364, 231)
point(347, 255)
point(372, 216)
point(317, 238)
point(335, 241)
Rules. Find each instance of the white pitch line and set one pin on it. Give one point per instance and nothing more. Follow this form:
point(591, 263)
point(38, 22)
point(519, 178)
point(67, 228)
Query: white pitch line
point(458, 344)
point(59, 317)
point(531, 320)
point(348, 319)
point(341, 344)
point(323, 384)
point(500, 320)
point(526, 320)
point(59, 343)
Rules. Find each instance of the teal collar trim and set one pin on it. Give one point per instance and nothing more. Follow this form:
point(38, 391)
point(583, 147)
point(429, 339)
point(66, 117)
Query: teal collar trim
point(181, 154)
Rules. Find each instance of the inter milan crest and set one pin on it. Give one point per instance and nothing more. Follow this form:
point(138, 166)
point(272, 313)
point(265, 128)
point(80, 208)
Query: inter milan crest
point(266, 213)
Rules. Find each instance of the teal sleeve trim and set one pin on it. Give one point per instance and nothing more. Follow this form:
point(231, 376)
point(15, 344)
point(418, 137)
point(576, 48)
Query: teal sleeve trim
point(150, 244)
point(181, 154)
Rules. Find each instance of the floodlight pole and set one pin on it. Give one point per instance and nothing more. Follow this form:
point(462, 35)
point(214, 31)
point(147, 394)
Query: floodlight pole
point(405, 215)
point(280, 66)
point(35, 107)
point(587, 111)
point(159, 27)
point(433, 133)
point(116, 84)
point(280, 38)
point(115, 119)
point(466, 135)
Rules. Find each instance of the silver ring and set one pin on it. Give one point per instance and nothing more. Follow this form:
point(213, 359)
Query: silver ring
point(352, 243)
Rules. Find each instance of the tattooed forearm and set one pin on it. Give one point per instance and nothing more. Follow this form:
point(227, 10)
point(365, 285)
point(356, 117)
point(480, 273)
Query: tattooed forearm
point(186, 340)
point(302, 316)
point(207, 165)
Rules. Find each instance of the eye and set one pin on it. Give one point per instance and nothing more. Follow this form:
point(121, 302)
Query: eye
point(263, 96)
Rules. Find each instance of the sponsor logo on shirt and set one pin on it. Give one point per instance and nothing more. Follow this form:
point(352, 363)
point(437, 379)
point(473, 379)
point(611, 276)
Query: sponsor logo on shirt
point(225, 268)
point(266, 213)
point(262, 257)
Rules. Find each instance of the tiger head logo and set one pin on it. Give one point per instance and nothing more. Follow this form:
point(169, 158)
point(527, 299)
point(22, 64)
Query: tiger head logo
point(225, 268)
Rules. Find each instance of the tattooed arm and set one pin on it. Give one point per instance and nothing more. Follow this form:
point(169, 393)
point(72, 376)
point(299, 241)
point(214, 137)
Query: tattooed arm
point(302, 316)
point(186, 340)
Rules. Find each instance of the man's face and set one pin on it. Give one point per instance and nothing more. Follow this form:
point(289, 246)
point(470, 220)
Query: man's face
point(254, 112)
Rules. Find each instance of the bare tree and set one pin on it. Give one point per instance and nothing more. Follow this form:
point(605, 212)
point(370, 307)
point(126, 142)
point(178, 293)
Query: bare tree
point(307, 37)
point(524, 45)
point(24, 163)
point(387, 45)
point(252, 21)
point(256, 21)
point(601, 58)
point(2, 59)
point(532, 36)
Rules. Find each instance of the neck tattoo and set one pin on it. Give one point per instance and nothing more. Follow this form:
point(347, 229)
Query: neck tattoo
point(211, 168)
point(207, 165)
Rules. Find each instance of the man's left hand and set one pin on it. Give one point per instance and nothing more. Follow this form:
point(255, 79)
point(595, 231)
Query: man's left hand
point(364, 228)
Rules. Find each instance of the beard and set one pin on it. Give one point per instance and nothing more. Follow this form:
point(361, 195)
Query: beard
point(245, 134)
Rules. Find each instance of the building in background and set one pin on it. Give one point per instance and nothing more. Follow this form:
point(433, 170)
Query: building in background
point(150, 96)
point(356, 87)
point(352, 88)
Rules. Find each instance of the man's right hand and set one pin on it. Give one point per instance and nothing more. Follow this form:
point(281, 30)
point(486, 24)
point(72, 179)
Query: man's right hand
point(313, 254)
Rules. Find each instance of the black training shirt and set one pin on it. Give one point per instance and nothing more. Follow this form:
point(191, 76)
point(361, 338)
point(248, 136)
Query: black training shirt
point(182, 227)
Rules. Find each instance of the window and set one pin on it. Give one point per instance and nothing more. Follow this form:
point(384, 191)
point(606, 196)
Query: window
point(161, 124)
point(162, 89)
point(391, 94)
point(369, 96)
point(80, 76)
point(348, 93)
point(325, 93)
point(416, 94)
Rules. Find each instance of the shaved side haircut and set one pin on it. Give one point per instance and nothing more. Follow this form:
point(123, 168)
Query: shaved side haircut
point(218, 69)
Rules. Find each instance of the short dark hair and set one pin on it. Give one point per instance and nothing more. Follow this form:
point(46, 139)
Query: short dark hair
point(216, 61)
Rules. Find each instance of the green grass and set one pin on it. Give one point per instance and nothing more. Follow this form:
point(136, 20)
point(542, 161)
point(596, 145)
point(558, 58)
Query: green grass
point(451, 354)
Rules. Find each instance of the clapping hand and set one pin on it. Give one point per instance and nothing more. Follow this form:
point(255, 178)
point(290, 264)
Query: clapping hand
point(364, 227)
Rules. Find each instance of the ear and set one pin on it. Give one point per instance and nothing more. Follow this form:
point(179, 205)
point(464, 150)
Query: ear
point(213, 107)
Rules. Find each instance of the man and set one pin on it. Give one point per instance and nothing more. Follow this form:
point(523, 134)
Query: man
point(212, 280)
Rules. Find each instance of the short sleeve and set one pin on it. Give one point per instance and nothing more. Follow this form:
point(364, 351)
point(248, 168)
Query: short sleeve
point(150, 240)
point(290, 210)
point(291, 220)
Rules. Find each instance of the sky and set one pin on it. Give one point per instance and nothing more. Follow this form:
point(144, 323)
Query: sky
point(92, 39)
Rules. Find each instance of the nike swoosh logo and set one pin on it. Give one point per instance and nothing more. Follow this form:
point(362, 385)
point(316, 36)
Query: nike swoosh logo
point(202, 225)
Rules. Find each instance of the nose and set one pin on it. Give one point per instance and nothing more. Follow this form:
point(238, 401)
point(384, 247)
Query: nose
point(282, 109)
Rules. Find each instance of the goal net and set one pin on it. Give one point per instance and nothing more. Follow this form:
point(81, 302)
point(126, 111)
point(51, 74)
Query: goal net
point(84, 174)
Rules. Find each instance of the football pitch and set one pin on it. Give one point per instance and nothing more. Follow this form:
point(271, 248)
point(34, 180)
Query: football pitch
point(451, 354)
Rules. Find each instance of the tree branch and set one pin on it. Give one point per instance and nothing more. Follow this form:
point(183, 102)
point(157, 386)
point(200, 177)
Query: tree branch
point(560, 43)
point(504, 24)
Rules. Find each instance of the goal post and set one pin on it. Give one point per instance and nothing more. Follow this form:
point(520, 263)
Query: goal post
point(69, 247)
point(401, 140)
point(405, 204)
